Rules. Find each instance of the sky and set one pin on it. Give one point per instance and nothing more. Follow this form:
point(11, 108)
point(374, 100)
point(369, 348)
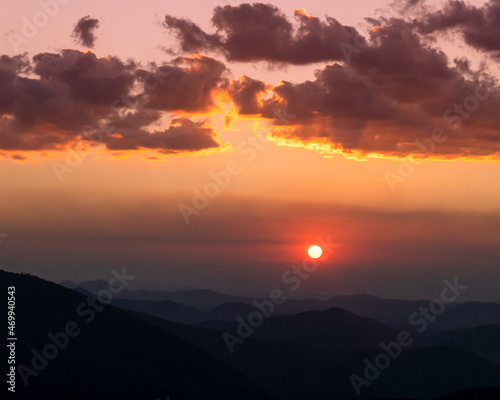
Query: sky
point(208, 144)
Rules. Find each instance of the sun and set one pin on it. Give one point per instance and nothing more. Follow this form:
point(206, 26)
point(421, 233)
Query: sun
point(315, 252)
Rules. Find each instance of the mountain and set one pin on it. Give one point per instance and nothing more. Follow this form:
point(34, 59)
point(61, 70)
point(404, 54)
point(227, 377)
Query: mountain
point(229, 312)
point(296, 372)
point(331, 329)
point(287, 374)
point(166, 309)
point(175, 312)
point(483, 340)
point(105, 353)
point(428, 373)
point(292, 306)
point(468, 315)
point(202, 299)
point(85, 292)
point(68, 284)
point(91, 286)
point(396, 313)
point(387, 311)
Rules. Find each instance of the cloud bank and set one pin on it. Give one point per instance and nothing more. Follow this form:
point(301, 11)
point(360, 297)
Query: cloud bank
point(387, 92)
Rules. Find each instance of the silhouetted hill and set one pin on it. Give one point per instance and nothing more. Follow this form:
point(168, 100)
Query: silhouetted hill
point(91, 286)
point(114, 356)
point(387, 311)
point(292, 306)
point(68, 284)
point(333, 329)
point(296, 372)
point(468, 315)
point(202, 299)
point(166, 309)
point(229, 312)
point(175, 312)
point(85, 292)
point(482, 340)
point(431, 372)
point(394, 313)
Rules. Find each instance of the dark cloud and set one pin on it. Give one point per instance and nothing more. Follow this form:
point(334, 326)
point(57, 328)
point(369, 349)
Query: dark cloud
point(245, 93)
point(390, 97)
point(261, 32)
point(191, 36)
point(187, 84)
point(480, 26)
point(83, 32)
point(386, 95)
point(183, 135)
point(65, 95)
point(88, 78)
point(62, 98)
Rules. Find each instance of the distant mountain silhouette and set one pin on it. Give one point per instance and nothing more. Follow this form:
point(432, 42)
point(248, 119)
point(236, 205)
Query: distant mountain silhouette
point(175, 312)
point(202, 299)
point(68, 284)
point(296, 372)
point(115, 356)
point(468, 315)
point(482, 340)
point(85, 292)
point(229, 312)
point(387, 311)
point(305, 355)
point(166, 309)
point(333, 329)
point(91, 286)
point(394, 313)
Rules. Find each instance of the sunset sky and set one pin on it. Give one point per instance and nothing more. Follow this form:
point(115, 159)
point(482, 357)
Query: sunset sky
point(376, 124)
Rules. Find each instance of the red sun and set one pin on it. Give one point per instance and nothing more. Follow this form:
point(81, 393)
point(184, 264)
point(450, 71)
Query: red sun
point(315, 252)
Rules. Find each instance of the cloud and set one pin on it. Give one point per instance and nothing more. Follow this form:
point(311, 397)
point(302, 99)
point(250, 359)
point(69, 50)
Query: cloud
point(186, 84)
point(83, 32)
point(64, 95)
point(245, 93)
point(387, 101)
point(479, 26)
point(59, 99)
point(261, 32)
point(183, 135)
point(386, 96)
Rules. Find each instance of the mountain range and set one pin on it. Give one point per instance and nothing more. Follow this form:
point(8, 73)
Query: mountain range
point(130, 349)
